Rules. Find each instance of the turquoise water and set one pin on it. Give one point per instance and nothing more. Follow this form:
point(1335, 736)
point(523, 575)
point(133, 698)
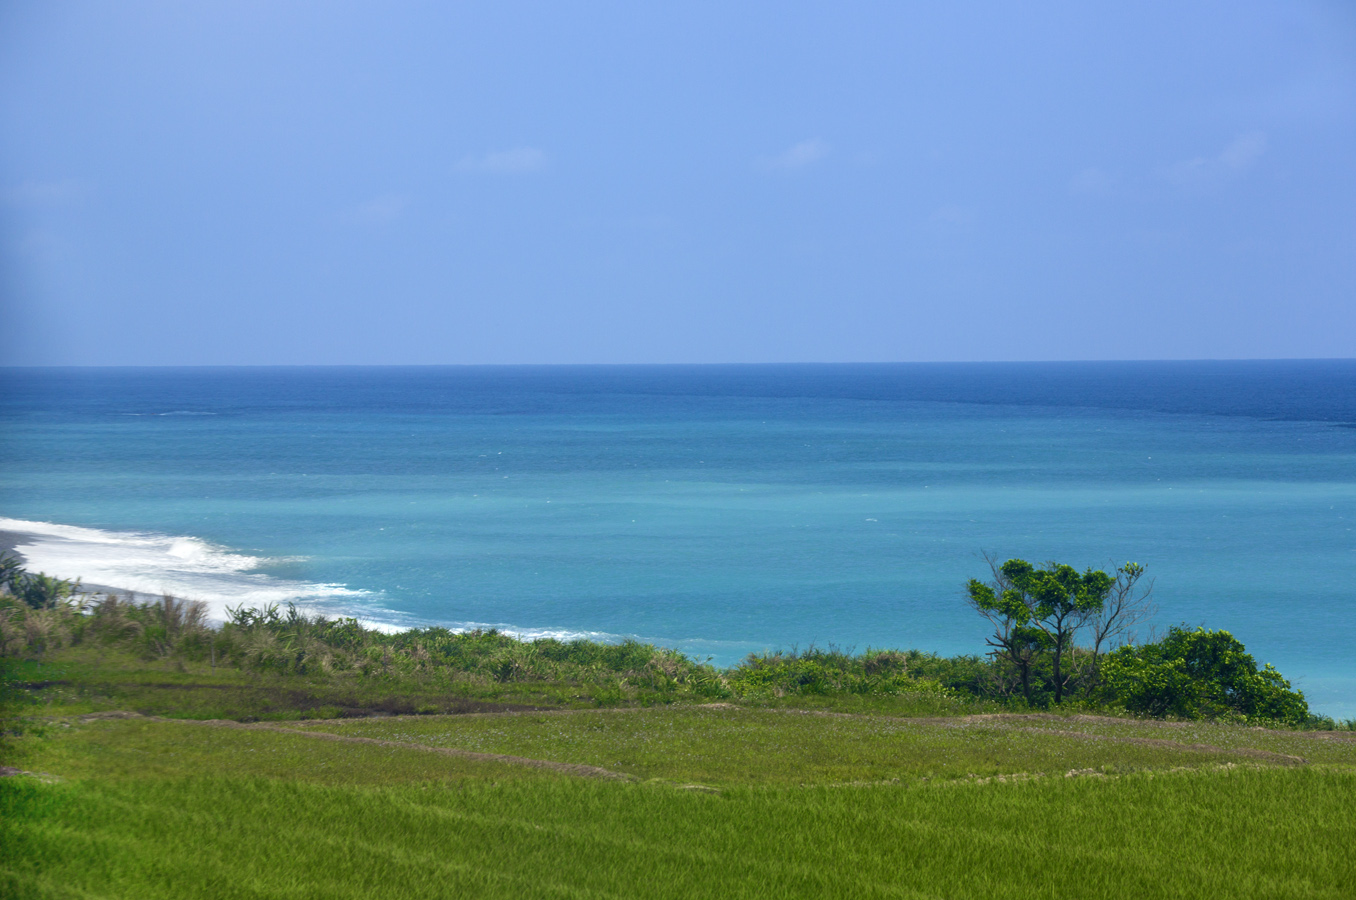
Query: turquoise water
point(715, 509)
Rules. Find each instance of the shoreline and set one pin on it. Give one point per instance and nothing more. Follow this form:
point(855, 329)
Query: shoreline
point(11, 541)
point(1327, 694)
point(9, 544)
point(148, 565)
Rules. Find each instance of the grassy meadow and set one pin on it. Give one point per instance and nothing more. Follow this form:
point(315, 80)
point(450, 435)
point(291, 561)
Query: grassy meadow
point(151, 756)
point(686, 801)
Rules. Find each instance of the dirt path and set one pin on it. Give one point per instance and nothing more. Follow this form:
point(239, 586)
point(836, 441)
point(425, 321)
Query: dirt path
point(576, 769)
point(1284, 759)
point(1018, 718)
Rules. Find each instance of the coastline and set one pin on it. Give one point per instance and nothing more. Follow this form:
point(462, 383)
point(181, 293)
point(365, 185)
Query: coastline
point(12, 540)
point(9, 543)
point(136, 555)
point(147, 565)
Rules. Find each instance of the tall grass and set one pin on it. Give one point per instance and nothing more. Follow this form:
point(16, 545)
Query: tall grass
point(818, 671)
point(1239, 834)
point(319, 666)
point(345, 656)
point(351, 659)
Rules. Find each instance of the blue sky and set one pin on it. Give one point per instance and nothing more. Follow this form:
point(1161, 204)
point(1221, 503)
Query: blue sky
point(279, 183)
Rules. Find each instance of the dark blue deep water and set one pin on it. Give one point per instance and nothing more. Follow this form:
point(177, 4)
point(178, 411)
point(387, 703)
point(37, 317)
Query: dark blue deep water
point(718, 509)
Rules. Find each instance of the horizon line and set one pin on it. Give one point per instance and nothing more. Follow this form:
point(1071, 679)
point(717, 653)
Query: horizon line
point(659, 365)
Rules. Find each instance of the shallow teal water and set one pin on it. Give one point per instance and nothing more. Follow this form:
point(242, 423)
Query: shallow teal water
point(716, 516)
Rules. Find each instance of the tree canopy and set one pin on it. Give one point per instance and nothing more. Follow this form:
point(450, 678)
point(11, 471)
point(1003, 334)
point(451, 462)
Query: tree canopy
point(1038, 611)
point(40, 591)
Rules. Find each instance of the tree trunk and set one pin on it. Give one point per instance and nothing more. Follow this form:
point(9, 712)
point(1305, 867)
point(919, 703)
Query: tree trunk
point(1059, 682)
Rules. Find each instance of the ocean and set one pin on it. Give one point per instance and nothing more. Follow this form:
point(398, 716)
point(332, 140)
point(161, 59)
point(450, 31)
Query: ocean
point(719, 510)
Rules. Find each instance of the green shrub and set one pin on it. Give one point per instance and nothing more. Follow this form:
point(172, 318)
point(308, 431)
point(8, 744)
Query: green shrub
point(817, 671)
point(1196, 673)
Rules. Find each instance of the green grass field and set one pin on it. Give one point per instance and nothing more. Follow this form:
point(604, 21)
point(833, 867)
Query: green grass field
point(517, 770)
point(145, 753)
point(732, 745)
point(720, 801)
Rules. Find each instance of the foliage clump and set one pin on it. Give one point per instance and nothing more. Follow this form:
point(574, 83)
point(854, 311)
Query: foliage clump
point(1195, 674)
point(37, 591)
point(825, 672)
point(293, 642)
point(1038, 614)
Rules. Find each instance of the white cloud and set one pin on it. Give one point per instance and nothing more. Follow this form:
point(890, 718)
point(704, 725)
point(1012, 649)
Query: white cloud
point(381, 210)
point(1204, 171)
point(43, 193)
point(795, 157)
point(518, 161)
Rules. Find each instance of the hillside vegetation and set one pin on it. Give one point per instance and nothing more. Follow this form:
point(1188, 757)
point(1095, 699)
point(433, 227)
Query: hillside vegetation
point(108, 652)
point(279, 754)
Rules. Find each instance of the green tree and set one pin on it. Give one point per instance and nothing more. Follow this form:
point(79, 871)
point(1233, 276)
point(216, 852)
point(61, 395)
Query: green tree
point(1038, 609)
point(43, 591)
point(1127, 605)
point(1014, 640)
point(11, 573)
point(1196, 673)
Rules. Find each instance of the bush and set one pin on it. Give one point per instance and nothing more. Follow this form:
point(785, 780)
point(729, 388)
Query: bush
point(832, 672)
point(1196, 674)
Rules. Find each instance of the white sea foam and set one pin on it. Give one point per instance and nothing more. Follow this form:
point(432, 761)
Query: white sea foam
point(150, 563)
point(532, 634)
point(153, 564)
